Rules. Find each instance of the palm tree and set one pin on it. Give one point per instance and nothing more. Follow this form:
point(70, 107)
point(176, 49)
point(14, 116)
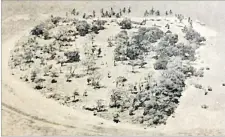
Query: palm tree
point(106, 13)
point(146, 13)
point(157, 13)
point(166, 13)
point(129, 10)
point(112, 12)
point(102, 11)
point(152, 11)
point(124, 10)
point(84, 15)
point(120, 12)
point(93, 13)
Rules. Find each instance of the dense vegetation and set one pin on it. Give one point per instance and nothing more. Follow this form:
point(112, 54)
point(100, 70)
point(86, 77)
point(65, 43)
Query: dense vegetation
point(48, 54)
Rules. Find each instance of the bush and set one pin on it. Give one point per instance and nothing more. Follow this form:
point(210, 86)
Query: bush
point(125, 24)
point(171, 38)
point(82, 27)
point(72, 56)
point(161, 63)
point(95, 79)
point(56, 20)
point(38, 30)
point(98, 25)
point(194, 36)
point(151, 34)
point(42, 29)
point(186, 52)
point(121, 43)
point(135, 47)
point(100, 106)
point(118, 98)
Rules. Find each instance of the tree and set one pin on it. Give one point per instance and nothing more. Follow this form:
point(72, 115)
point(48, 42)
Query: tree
point(28, 55)
point(82, 27)
point(100, 105)
point(193, 36)
point(161, 63)
point(121, 42)
point(119, 99)
point(99, 52)
point(54, 72)
point(125, 24)
point(157, 13)
point(61, 58)
point(166, 13)
point(133, 64)
point(33, 75)
point(84, 15)
point(93, 13)
point(89, 63)
point(92, 38)
point(72, 56)
point(146, 13)
point(46, 70)
point(152, 11)
point(109, 40)
point(70, 71)
point(95, 79)
point(129, 10)
point(97, 25)
point(124, 10)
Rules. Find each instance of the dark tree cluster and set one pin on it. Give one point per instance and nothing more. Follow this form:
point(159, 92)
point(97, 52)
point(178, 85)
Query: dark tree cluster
point(82, 27)
point(137, 45)
point(98, 25)
point(193, 36)
point(72, 56)
point(125, 24)
point(42, 30)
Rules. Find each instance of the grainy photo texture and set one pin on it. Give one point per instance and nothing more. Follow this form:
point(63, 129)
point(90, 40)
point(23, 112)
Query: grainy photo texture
point(113, 68)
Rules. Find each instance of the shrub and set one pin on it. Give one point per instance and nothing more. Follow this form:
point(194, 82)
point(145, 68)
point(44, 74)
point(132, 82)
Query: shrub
point(118, 98)
point(97, 25)
point(72, 56)
point(54, 72)
point(121, 42)
point(171, 38)
point(187, 52)
point(120, 80)
point(82, 27)
point(42, 29)
point(194, 36)
point(125, 24)
point(56, 20)
point(157, 13)
point(161, 63)
point(166, 48)
point(89, 63)
point(38, 30)
point(95, 79)
point(100, 105)
point(151, 34)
